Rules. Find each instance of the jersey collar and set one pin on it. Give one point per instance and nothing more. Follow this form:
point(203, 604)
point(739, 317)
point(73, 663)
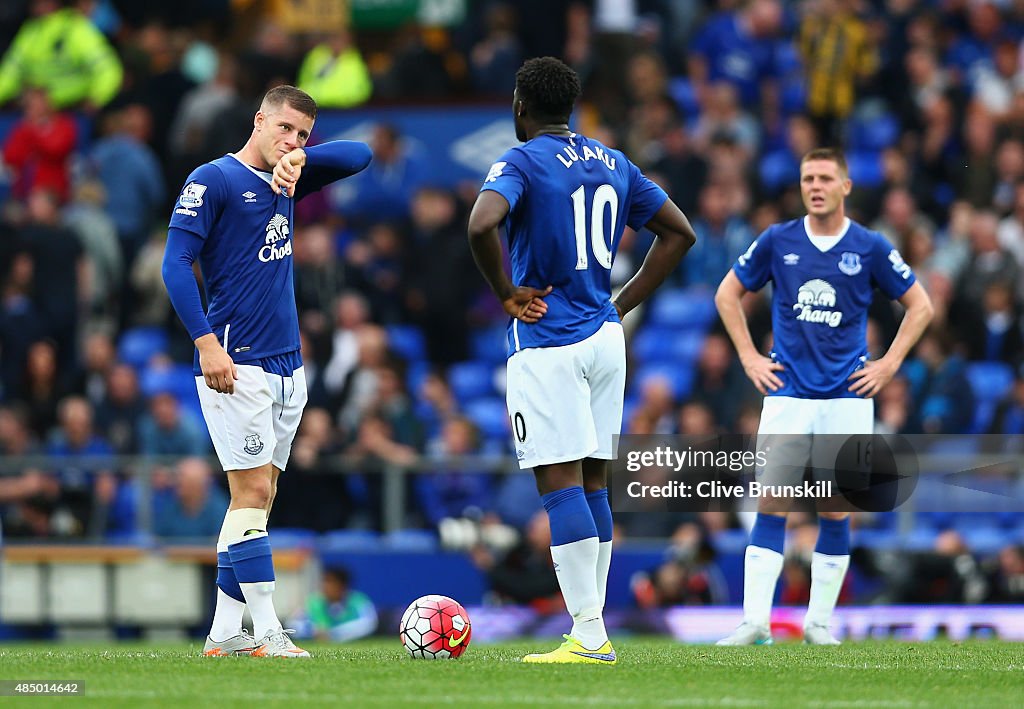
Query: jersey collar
point(828, 242)
point(265, 176)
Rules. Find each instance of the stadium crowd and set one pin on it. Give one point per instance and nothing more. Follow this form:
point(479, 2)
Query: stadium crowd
point(402, 342)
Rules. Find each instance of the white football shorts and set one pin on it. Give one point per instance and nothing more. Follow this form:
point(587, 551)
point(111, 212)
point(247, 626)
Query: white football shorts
point(565, 403)
point(814, 431)
point(257, 424)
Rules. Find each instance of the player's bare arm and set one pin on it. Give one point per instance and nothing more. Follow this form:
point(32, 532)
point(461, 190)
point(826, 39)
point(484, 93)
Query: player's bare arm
point(760, 370)
point(287, 172)
point(869, 379)
point(524, 303)
point(218, 368)
point(673, 238)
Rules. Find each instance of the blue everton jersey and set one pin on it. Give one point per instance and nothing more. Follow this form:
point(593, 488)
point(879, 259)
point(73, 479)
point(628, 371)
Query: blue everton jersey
point(246, 258)
point(570, 198)
point(820, 301)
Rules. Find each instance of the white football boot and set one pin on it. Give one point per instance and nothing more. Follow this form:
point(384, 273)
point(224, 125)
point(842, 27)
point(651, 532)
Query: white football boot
point(277, 643)
point(819, 635)
point(241, 644)
point(748, 634)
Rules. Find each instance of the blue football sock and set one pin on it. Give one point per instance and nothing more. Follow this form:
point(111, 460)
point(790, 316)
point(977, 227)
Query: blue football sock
point(769, 532)
point(833, 537)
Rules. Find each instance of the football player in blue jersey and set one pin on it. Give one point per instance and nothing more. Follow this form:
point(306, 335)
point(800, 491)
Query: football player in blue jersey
point(234, 216)
point(565, 200)
point(818, 380)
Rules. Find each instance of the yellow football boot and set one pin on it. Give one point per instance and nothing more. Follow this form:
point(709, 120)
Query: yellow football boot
point(572, 651)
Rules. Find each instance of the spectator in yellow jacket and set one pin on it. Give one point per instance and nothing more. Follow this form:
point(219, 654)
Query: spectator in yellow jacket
point(60, 50)
point(334, 73)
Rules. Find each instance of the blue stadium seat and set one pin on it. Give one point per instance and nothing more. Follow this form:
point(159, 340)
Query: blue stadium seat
point(679, 376)
point(341, 540)
point(793, 96)
point(881, 539)
point(292, 538)
point(471, 380)
point(730, 541)
point(865, 168)
point(418, 540)
point(489, 344)
point(787, 59)
point(778, 170)
point(658, 344)
point(176, 379)
point(873, 133)
point(678, 308)
point(138, 345)
point(407, 341)
point(490, 416)
point(681, 91)
point(415, 373)
point(985, 539)
point(990, 381)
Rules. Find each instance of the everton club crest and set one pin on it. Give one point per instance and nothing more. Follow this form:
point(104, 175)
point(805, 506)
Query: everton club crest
point(849, 263)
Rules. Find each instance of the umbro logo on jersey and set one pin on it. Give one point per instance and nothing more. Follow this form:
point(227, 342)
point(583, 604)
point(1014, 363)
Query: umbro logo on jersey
point(249, 196)
point(791, 259)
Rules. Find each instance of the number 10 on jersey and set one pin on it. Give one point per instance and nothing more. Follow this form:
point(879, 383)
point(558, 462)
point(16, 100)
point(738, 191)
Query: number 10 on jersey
point(604, 196)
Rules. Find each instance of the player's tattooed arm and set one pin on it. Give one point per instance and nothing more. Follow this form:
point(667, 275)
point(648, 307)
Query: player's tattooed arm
point(875, 374)
point(760, 370)
point(674, 237)
point(524, 303)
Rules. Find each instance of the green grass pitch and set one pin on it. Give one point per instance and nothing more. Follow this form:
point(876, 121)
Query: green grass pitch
point(651, 672)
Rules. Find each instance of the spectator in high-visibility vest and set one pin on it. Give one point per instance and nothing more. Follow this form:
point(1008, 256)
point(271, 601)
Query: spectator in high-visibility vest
point(59, 49)
point(334, 73)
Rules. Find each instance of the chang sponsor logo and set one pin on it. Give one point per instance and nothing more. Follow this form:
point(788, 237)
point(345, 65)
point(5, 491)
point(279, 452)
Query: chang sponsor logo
point(815, 301)
point(277, 231)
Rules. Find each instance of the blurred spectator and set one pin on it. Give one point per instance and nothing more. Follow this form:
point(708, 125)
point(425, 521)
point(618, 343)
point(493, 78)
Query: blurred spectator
point(722, 117)
point(150, 306)
point(455, 492)
point(721, 384)
point(737, 46)
point(993, 333)
point(722, 236)
point(320, 277)
point(311, 477)
point(948, 573)
point(377, 262)
point(940, 384)
point(20, 324)
point(386, 187)
point(38, 148)
point(1006, 579)
point(696, 419)
point(129, 169)
point(438, 254)
point(194, 506)
point(60, 50)
point(1009, 413)
point(988, 263)
point(167, 430)
point(104, 267)
point(900, 217)
point(1010, 233)
point(423, 65)
point(99, 357)
point(334, 74)
point(683, 167)
point(351, 315)
point(839, 56)
point(687, 578)
point(43, 386)
point(87, 487)
point(119, 413)
point(995, 84)
point(338, 612)
point(58, 261)
point(525, 575)
point(894, 408)
point(496, 57)
point(977, 181)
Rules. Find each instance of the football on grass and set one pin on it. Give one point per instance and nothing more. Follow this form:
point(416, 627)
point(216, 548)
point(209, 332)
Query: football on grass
point(435, 628)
